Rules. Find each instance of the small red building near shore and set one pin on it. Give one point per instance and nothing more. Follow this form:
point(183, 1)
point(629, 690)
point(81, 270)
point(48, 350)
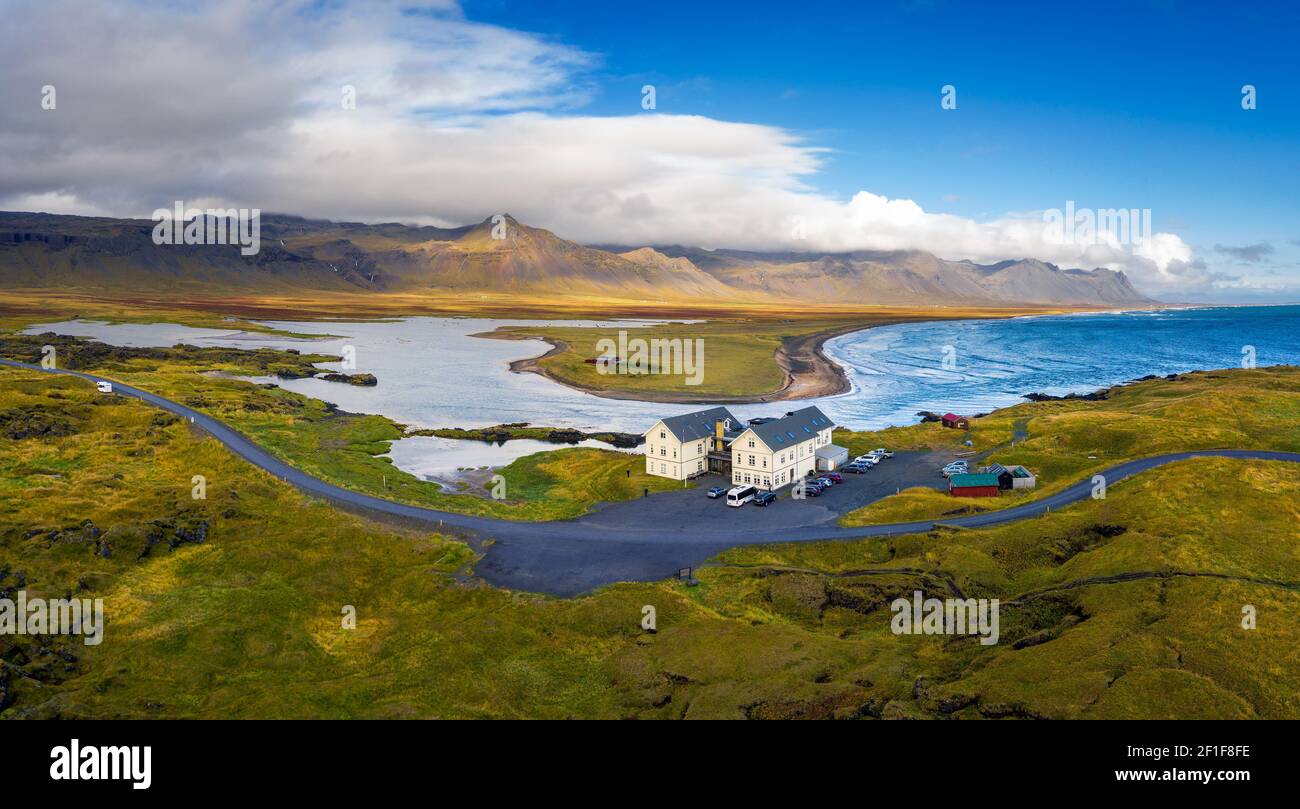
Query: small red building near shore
point(955, 421)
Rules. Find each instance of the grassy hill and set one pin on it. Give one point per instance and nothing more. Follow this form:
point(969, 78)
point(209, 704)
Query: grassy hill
point(232, 606)
point(1069, 440)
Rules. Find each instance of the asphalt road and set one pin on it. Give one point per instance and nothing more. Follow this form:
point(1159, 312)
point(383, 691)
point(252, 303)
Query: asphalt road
point(650, 538)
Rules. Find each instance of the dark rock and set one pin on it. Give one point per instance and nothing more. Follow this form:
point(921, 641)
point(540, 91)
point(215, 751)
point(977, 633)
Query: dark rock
point(33, 422)
point(361, 380)
point(1095, 396)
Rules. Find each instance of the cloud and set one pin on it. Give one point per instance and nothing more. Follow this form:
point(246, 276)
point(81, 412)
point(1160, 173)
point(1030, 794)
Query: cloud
point(239, 104)
point(1250, 253)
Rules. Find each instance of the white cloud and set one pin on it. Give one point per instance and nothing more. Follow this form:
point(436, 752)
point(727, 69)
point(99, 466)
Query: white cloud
point(239, 103)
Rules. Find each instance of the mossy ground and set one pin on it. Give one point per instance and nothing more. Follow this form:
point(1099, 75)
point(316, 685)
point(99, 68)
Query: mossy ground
point(1106, 611)
point(1126, 607)
point(1064, 442)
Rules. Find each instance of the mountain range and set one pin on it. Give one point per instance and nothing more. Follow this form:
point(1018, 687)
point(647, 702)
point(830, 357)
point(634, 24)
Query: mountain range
point(302, 255)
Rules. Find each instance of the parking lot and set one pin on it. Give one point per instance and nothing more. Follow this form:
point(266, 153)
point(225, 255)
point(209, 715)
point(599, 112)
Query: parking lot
point(690, 508)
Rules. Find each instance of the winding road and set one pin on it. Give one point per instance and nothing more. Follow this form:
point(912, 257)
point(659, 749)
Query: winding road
point(570, 557)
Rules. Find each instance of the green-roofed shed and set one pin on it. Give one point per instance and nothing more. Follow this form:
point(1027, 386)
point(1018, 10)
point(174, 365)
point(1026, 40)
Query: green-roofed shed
point(973, 485)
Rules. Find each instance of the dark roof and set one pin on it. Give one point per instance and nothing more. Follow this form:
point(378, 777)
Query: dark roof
point(971, 481)
point(697, 425)
point(996, 469)
point(792, 428)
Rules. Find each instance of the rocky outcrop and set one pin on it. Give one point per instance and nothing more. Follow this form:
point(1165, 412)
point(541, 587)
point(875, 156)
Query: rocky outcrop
point(34, 422)
point(1095, 396)
point(360, 380)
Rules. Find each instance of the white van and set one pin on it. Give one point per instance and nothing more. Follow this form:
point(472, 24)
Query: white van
point(104, 387)
point(741, 495)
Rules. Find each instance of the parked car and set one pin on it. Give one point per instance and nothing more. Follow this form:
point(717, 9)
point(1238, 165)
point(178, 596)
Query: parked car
point(869, 460)
point(857, 468)
point(812, 490)
point(954, 468)
point(763, 498)
point(740, 495)
point(826, 482)
point(835, 477)
point(715, 492)
point(882, 452)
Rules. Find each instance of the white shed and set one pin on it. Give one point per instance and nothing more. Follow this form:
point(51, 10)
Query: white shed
point(1022, 478)
point(831, 457)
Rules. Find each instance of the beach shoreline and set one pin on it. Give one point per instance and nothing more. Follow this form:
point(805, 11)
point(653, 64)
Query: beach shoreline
point(808, 372)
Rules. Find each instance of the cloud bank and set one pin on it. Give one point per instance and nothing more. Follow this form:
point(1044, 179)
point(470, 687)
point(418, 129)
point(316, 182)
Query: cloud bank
point(242, 104)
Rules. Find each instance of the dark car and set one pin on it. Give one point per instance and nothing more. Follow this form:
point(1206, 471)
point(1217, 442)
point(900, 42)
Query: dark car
point(834, 476)
point(857, 468)
point(763, 498)
point(826, 482)
point(716, 492)
point(812, 490)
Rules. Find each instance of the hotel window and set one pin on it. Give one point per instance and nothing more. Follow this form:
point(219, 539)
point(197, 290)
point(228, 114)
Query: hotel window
point(663, 451)
point(662, 435)
point(751, 443)
point(765, 463)
point(751, 460)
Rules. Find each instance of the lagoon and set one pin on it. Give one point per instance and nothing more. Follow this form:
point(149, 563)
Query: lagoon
point(432, 373)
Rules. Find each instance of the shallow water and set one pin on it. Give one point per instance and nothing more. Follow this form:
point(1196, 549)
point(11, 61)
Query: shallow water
point(433, 374)
point(435, 458)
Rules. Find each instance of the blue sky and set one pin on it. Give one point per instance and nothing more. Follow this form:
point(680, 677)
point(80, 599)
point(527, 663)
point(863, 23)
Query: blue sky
point(1129, 105)
point(810, 126)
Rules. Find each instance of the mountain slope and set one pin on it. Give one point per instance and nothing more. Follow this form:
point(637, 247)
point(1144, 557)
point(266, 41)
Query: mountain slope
point(301, 256)
point(909, 277)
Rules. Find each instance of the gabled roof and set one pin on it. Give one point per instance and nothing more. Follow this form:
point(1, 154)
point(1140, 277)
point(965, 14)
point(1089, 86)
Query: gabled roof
point(697, 425)
point(793, 428)
point(996, 469)
point(952, 417)
point(969, 481)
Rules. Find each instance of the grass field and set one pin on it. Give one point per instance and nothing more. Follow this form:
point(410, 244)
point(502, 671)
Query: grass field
point(1066, 441)
point(236, 608)
point(346, 448)
point(740, 357)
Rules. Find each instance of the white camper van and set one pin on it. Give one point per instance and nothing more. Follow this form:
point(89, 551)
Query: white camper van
point(104, 387)
point(741, 495)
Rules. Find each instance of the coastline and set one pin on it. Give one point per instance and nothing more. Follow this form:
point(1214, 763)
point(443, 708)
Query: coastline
point(808, 372)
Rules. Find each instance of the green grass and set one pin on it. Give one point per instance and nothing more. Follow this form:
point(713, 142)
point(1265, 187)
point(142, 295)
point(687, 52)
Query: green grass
point(1069, 441)
point(738, 354)
point(345, 448)
point(248, 622)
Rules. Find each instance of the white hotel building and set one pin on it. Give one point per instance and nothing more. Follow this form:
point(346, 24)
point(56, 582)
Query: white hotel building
point(767, 453)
